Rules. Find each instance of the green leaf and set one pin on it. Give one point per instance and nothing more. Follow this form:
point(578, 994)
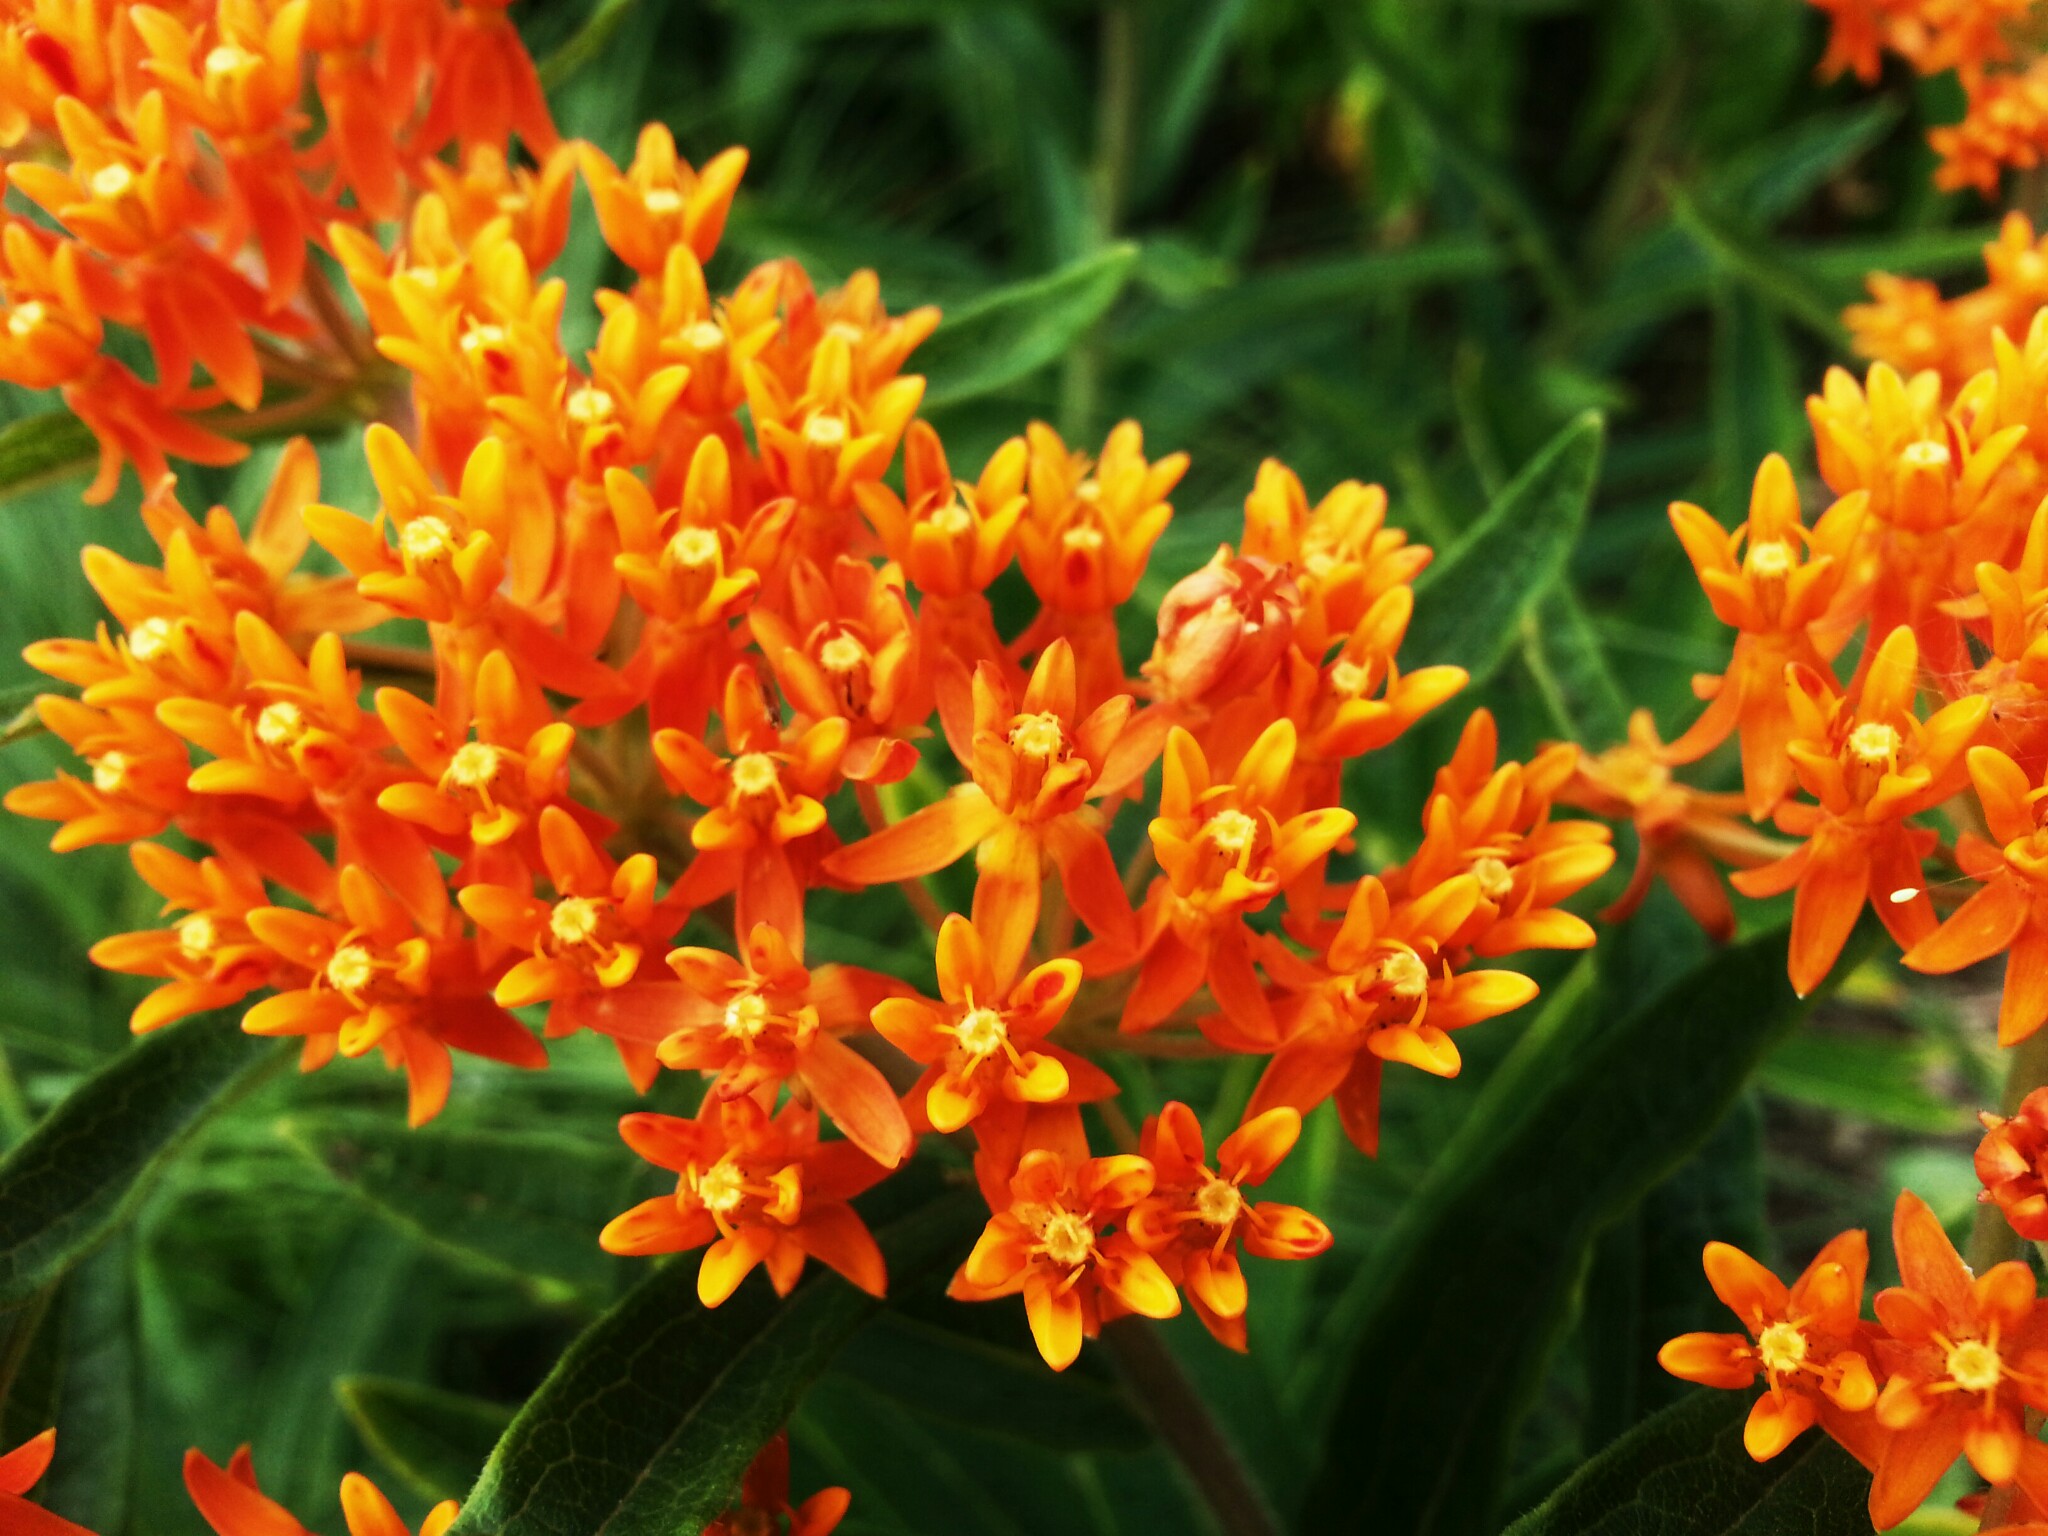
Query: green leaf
point(521, 1203)
point(1012, 332)
point(1879, 1078)
point(19, 718)
point(586, 45)
point(1684, 1473)
point(1750, 260)
point(1470, 603)
point(1456, 1323)
point(1568, 664)
point(78, 1174)
point(435, 1441)
point(39, 449)
point(650, 1418)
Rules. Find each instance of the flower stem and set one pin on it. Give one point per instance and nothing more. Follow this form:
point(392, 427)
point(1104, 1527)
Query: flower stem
point(1191, 1434)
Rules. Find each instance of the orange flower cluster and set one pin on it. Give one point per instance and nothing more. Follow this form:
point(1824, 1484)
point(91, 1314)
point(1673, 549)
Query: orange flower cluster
point(692, 654)
point(1993, 48)
point(1952, 1365)
point(1909, 324)
point(1935, 549)
point(230, 1502)
point(197, 162)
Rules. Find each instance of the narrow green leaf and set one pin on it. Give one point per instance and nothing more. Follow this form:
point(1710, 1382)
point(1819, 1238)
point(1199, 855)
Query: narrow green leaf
point(1684, 1473)
point(39, 449)
point(1879, 1078)
point(1751, 261)
point(435, 1441)
point(1456, 1324)
point(523, 1203)
point(1569, 666)
point(1014, 331)
point(648, 1421)
point(589, 41)
point(1470, 603)
point(78, 1174)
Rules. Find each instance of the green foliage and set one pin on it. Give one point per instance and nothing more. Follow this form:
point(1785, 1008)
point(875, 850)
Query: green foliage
point(42, 448)
point(1684, 1473)
point(1012, 332)
point(435, 1441)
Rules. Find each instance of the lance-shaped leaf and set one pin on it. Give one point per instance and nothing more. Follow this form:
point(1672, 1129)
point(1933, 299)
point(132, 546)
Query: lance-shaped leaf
point(1454, 1327)
point(1684, 1473)
point(38, 449)
point(72, 1180)
point(1470, 603)
point(1014, 331)
point(648, 1422)
point(435, 1441)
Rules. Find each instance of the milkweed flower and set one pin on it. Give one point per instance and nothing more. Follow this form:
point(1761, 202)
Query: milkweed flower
point(764, 1500)
point(1808, 1342)
point(758, 1189)
point(2011, 1163)
point(1057, 1245)
point(229, 1501)
point(1196, 1220)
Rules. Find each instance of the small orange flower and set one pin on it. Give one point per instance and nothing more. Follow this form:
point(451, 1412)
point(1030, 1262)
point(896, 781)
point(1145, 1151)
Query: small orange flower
point(1222, 631)
point(2012, 1165)
point(985, 1050)
point(208, 958)
point(660, 201)
point(758, 1190)
point(1808, 1342)
point(228, 1499)
point(1194, 1221)
point(1056, 1244)
point(1965, 1357)
point(764, 1501)
point(1870, 762)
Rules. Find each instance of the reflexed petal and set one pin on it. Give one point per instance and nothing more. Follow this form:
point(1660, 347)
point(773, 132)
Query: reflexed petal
point(1993, 1447)
point(232, 1506)
point(1912, 1464)
point(1134, 1278)
point(727, 1262)
point(1285, 1232)
point(1055, 1317)
point(1217, 1282)
point(1928, 1261)
point(1775, 1422)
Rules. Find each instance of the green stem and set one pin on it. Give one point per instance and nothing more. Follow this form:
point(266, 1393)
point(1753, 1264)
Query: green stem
point(1116, 119)
point(1197, 1442)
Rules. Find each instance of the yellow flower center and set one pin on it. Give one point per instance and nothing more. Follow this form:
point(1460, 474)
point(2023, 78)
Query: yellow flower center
point(825, 431)
point(590, 407)
point(197, 936)
point(1873, 743)
point(1038, 737)
point(149, 639)
point(1348, 679)
point(704, 336)
point(845, 330)
point(475, 764)
point(1233, 831)
point(24, 318)
point(1782, 1348)
point(1772, 560)
point(842, 654)
point(281, 724)
point(481, 337)
point(1218, 1202)
point(426, 539)
point(694, 548)
point(661, 201)
point(1495, 879)
point(350, 968)
point(981, 1032)
point(1402, 973)
point(1083, 538)
point(746, 1017)
point(952, 519)
point(753, 773)
point(111, 181)
point(1067, 1238)
point(109, 771)
point(1925, 455)
point(1973, 1365)
point(574, 919)
point(721, 1187)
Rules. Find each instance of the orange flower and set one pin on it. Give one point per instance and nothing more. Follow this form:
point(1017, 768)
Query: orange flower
point(1222, 631)
point(758, 1190)
point(766, 1022)
point(1342, 553)
point(1384, 989)
point(20, 1469)
point(985, 1050)
point(764, 805)
point(136, 786)
point(1870, 762)
point(764, 1501)
point(1224, 854)
point(1056, 1244)
point(1683, 835)
point(2010, 911)
point(382, 980)
point(1194, 1221)
point(209, 958)
point(1036, 766)
point(1808, 1342)
point(660, 202)
point(1964, 1357)
point(2012, 1165)
point(228, 1499)
point(1776, 582)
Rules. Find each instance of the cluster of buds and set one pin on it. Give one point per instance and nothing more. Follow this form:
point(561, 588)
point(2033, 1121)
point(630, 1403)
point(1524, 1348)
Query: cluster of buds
point(1992, 47)
point(198, 165)
point(692, 655)
point(1953, 1365)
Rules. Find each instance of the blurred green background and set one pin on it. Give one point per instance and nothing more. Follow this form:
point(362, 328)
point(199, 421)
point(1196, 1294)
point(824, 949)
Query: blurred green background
point(1395, 241)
